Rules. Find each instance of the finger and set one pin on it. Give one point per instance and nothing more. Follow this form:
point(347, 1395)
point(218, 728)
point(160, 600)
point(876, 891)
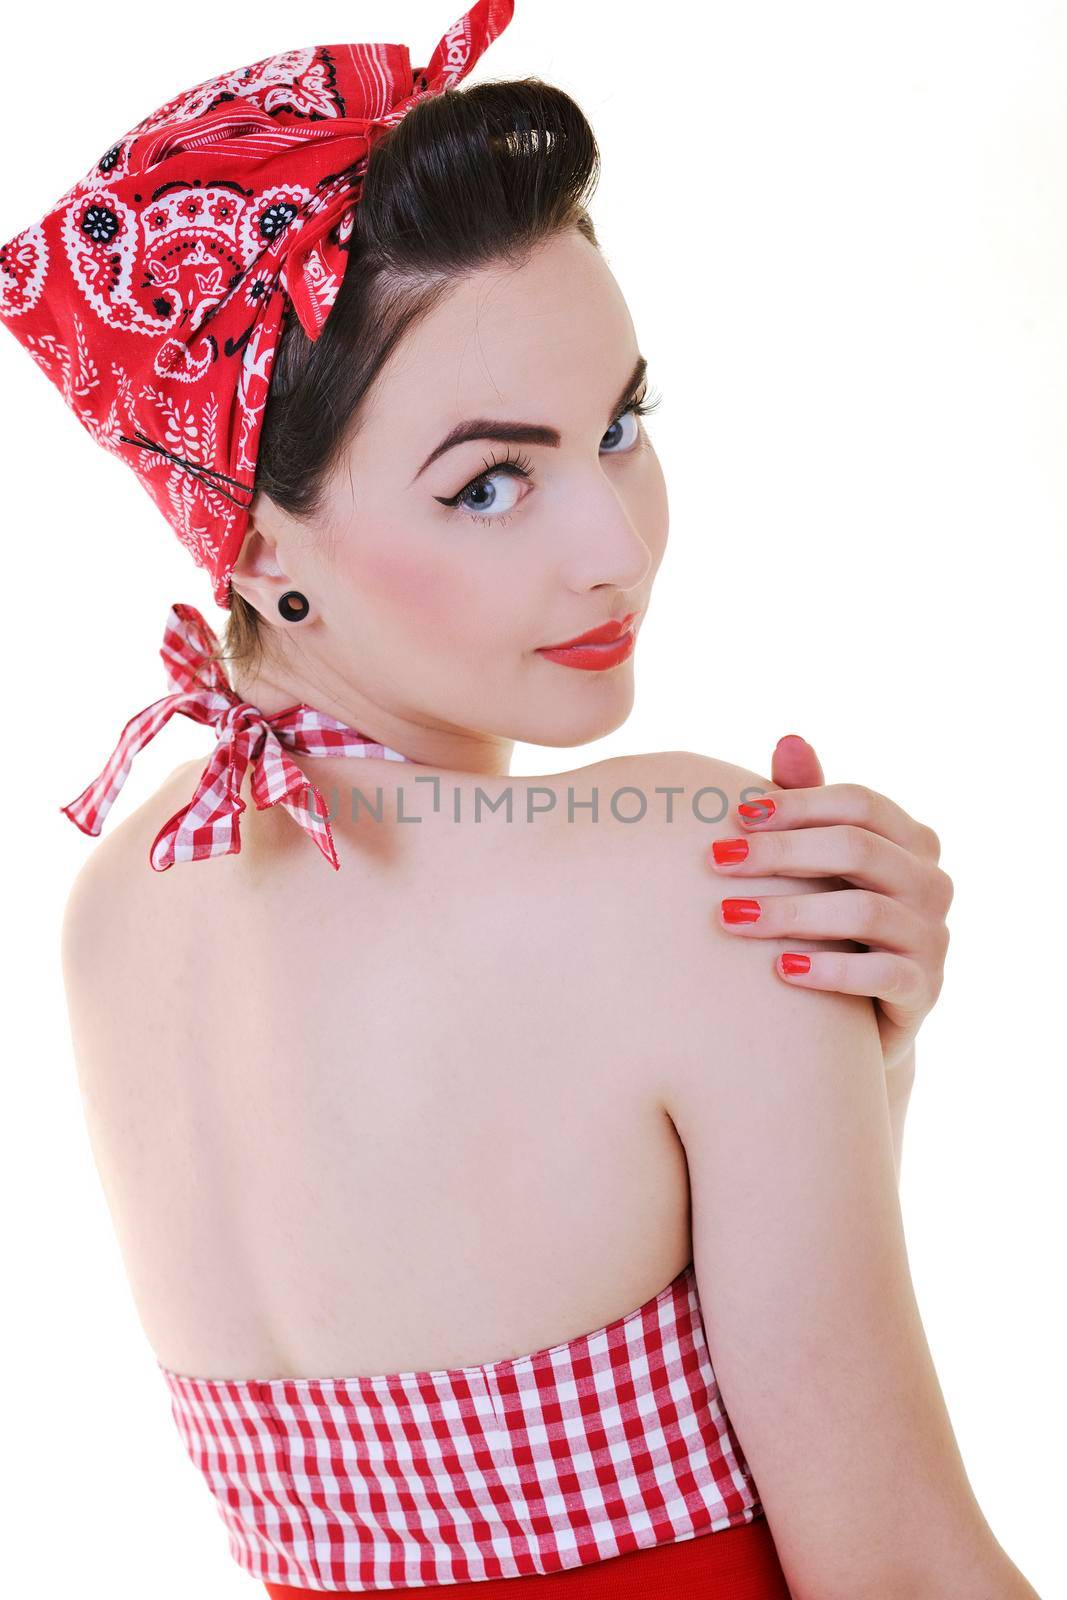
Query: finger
point(891, 978)
point(852, 803)
point(856, 914)
point(853, 853)
point(794, 763)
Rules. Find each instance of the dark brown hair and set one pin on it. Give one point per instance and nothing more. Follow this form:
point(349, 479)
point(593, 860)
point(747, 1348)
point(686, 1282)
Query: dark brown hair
point(468, 178)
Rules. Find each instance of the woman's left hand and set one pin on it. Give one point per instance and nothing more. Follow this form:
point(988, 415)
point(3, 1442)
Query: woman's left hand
point(893, 900)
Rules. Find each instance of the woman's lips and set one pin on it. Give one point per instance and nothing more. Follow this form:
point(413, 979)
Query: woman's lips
point(593, 657)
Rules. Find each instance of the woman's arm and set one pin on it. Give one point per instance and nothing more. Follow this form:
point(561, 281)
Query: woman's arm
point(779, 1098)
point(899, 912)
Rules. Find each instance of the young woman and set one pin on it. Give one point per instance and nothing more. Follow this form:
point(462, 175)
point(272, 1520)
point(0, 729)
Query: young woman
point(383, 1144)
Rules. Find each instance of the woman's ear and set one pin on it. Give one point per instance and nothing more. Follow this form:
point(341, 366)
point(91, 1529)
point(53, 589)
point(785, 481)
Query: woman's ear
point(259, 575)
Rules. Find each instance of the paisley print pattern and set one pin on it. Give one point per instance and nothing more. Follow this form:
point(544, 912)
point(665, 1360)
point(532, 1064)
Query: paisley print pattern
point(152, 292)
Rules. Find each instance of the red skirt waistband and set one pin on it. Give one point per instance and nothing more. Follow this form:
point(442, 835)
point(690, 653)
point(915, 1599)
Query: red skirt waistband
point(742, 1562)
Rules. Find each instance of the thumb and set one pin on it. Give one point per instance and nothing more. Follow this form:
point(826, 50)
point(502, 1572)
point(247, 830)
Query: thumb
point(794, 764)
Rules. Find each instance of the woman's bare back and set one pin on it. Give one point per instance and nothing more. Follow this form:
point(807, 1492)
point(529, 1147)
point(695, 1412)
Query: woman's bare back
point(401, 1116)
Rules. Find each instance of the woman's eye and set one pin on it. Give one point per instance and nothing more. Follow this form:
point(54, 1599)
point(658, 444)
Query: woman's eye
point(629, 415)
point(483, 494)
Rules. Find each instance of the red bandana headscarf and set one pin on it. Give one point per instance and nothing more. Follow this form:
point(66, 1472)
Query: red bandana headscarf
point(152, 293)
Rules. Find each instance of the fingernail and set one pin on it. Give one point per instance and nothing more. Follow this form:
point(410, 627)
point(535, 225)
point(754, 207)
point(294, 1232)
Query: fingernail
point(793, 961)
point(757, 810)
point(740, 910)
point(727, 852)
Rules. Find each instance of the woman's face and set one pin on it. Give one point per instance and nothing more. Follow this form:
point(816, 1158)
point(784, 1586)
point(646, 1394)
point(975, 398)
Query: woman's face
point(433, 582)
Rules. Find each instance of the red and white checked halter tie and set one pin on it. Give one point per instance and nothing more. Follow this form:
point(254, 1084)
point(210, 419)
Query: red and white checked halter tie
point(208, 824)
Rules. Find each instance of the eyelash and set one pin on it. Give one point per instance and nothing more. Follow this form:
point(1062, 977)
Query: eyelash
point(522, 467)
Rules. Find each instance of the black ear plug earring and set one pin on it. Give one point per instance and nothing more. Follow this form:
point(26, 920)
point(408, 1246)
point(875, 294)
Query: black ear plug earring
point(293, 605)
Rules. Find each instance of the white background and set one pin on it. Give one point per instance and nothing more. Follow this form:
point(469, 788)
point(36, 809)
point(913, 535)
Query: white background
point(841, 233)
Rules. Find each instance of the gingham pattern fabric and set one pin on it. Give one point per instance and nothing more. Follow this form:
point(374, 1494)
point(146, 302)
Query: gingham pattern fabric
point(151, 293)
point(208, 824)
point(614, 1441)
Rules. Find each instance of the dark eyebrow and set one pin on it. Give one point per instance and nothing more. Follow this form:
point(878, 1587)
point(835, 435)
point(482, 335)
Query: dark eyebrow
point(522, 432)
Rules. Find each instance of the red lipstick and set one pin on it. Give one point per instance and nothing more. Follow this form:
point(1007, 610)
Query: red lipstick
point(600, 648)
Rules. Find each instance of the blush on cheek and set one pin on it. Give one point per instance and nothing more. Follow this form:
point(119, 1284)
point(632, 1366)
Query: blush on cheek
point(412, 589)
point(396, 579)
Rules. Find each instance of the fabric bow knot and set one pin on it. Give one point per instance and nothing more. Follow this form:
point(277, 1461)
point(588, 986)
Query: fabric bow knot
point(207, 825)
point(311, 264)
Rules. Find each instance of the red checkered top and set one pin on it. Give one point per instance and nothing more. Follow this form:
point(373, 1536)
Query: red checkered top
point(615, 1441)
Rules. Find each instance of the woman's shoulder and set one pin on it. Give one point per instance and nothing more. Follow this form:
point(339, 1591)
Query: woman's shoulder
point(118, 861)
point(642, 854)
point(679, 795)
point(697, 770)
point(686, 800)
point(647, 818)
point(667, 792)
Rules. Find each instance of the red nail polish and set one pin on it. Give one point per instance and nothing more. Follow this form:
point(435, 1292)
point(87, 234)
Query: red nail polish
point(740, 910)
point(757, 810)
point(793, 961)
point(728, 852)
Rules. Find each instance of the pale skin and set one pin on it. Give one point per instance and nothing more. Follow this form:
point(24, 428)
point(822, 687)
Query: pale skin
point(327, 1107)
